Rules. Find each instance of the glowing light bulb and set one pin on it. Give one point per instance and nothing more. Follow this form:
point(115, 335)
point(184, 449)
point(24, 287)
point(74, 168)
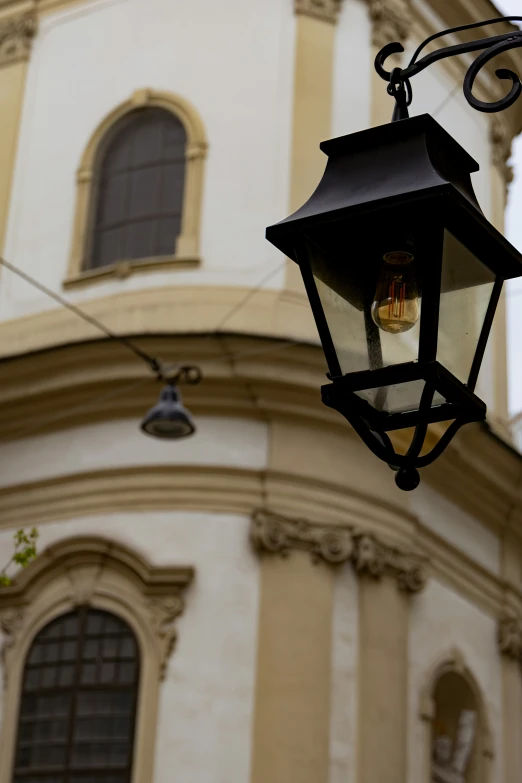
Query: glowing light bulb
point(395, 306)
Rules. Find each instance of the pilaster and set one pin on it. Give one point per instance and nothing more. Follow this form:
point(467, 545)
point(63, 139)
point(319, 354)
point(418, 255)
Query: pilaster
point(501, 173)
point(312, 108)
point(292, 709)
point(16, 36)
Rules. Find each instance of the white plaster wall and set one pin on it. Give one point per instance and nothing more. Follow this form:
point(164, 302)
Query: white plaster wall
point(441, 621)
point(233, 60)
point(119, 444)
point(206, 706)
point(352, 84)
point(345, 641)
point(456, 526)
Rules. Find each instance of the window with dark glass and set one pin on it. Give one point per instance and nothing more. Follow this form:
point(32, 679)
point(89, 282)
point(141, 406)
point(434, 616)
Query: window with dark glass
point(139, 194)
point(78, 704)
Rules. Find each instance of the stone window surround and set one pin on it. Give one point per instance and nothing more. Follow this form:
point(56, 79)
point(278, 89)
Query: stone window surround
point(103, 574)
point(186, 252)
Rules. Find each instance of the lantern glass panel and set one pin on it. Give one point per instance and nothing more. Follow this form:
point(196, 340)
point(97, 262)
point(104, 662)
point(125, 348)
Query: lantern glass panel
point(347, 262)
point(466, 288)
point(398, 398)
point(345, 321)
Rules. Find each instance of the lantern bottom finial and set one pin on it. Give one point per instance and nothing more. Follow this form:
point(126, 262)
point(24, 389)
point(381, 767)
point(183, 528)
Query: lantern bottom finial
point(407, 479)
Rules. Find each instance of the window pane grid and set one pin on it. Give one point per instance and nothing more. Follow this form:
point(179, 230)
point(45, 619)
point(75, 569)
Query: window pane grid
point(140, 190)
point(86, 722)
point(130, 222)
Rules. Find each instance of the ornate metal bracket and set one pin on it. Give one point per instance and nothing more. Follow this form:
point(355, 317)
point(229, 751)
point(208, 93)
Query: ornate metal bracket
point(399, 78)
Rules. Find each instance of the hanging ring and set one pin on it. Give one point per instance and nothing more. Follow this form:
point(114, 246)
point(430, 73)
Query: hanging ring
point(400, 88)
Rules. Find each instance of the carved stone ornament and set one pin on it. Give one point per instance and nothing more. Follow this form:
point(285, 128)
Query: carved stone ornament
point(11, 620)
point(510, 637)
point(92, 571)
point(163, 612)
point(16, 35)
point(501, 147)
point(271, 532)
point(326, 10)
point(391, 20)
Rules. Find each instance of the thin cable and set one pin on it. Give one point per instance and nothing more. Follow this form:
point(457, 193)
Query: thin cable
point(94, 401)
point(242, 302)
point(446, 100)
point(249, 354)
point(150, 360)
point(154, 363)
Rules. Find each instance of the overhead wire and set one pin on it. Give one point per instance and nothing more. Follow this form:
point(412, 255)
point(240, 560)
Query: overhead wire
point(153, 362)
point(161, 371)
point(150, 360)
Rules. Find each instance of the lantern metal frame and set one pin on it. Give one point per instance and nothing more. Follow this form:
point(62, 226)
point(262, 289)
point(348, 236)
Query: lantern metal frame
point(365, 180)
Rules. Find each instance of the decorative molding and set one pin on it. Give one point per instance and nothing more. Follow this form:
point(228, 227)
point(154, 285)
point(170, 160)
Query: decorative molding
point(391, 20)
point(336, 545)
point(225, 489)
point(16, 36)
point(11, 621)
point(510, 637)
point(163, 611)
point(121, 270)
point(501, 141)
point(88, 565)
point(325, 10)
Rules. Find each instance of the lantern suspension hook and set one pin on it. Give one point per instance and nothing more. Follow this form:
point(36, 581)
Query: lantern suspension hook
point(399, 78)
point(175, 376)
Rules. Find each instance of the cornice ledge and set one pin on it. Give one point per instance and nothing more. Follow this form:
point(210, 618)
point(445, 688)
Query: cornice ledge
point(325, 10)
point(510, 637)
point(391, 20)
point(276, 534)
point(16, 36)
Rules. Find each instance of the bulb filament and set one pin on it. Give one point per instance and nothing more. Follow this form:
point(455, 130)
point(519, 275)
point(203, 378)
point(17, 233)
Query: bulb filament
point(395, 307)
point(396, 299)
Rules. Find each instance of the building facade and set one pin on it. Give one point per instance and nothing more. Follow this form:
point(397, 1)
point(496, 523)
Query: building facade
point(258, 602)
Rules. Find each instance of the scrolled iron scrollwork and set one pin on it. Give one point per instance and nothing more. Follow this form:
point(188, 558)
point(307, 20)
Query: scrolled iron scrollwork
point(400, 78)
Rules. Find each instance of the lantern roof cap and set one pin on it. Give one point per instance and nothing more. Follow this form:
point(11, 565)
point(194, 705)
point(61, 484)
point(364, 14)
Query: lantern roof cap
point(405, 170)
point(377, 168)
point(402, 130)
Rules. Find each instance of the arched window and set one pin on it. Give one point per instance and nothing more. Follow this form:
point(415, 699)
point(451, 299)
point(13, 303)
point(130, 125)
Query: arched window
point(139, 190)
point(78, 704)
point(140, 187)
point(457, 735)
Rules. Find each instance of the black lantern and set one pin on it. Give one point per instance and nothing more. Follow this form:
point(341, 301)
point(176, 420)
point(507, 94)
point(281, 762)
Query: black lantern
point(403, 273)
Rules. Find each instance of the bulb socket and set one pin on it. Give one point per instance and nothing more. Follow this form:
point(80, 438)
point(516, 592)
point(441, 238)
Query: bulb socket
point(398, 257)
